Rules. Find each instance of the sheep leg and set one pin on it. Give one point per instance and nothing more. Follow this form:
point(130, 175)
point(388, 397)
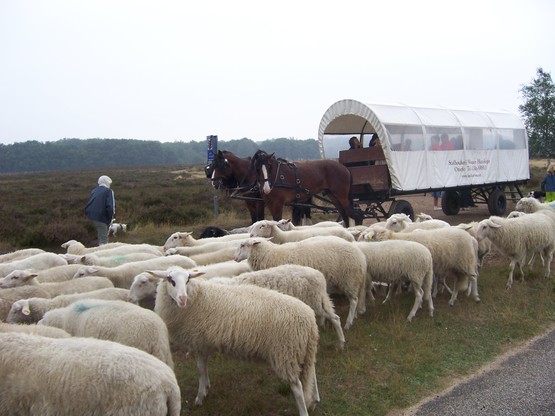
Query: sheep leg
point(336, 322)
point(434, 286)
point(511, 272)
point(418, 294)
point(549, 257)
point(389, 292)
point(473, 285)
point(315, 392)
point(353, 301)
point(204, 381)
point(446, 286)
point(297, 389)
point(454, 294)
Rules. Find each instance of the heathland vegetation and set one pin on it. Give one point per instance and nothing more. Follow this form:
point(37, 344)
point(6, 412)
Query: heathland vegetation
point(387, 363)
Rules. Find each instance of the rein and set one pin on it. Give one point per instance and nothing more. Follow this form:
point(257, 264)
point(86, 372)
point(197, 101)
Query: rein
point(296, 186)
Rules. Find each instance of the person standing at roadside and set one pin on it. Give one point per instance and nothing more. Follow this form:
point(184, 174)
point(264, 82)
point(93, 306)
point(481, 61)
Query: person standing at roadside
point(101, 208)
point(548, 184)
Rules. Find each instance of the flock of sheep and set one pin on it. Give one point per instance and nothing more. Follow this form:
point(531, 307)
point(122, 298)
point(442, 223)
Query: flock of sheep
point(92, 331)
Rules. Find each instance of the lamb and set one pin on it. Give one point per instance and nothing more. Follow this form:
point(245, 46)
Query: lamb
point(122, 276)
point(454, 252)
point(31, 310)
point(516, 237)
point(112, 261)
point(268, 229)
point(390, 261)
point(403, 223)
point(35, 262)
point(143, 288)
point(83, 376)
point(244, 322)
point(43, 331)
point(19, 254)
point(341, 262)
point(530, 205)
point(49, 290)
point(114, 320)
point(302, 282)
point(185, 239)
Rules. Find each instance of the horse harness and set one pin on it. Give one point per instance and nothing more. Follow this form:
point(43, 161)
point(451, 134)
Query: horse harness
point(283, 184)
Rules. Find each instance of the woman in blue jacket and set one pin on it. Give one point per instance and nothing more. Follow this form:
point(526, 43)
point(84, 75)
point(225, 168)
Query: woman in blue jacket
point(101, 208)
point(548, 184)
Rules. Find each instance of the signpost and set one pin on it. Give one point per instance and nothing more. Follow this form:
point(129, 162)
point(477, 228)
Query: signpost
point(211, 149)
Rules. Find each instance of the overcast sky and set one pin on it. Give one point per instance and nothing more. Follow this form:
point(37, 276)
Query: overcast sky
point(174, 70)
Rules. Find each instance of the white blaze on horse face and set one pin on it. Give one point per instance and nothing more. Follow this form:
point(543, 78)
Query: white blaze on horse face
point(266, 188)
point(212, 179)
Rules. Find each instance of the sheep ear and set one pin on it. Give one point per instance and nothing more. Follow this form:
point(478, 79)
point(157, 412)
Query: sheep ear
point(26, 310)
point(158, 274)
point(493, 224)
point(195, 273)
point(29, 275)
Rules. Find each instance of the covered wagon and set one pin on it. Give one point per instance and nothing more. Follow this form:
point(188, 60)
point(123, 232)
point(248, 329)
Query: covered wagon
point(415, 150)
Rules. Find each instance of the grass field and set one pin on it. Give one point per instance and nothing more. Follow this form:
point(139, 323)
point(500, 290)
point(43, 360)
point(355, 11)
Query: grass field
point(387, 363)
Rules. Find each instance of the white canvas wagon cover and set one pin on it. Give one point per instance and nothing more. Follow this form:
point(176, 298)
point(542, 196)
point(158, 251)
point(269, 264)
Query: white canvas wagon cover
point(432, 147)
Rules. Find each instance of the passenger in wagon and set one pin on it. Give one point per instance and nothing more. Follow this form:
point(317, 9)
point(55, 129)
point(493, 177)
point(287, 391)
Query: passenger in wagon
point(446, 143)
point(354, 143)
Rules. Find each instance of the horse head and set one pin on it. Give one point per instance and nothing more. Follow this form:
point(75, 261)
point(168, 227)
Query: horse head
point(220, 171)
point(262, 162)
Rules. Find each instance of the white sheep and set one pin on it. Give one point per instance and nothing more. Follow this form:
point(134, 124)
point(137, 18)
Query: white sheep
point(83, 376)
point(341, 262)
point(29, 277)
point(399, 260)
point(454, 253)
point(35, 262)
point(114, 320)
point(93, 259)
point(216, 256)
point(143, 288)
point(403, 223)
point(484, 245)
point(244, 322)
point(33, 329)
point(269, 229)
point(423, 217)
point(19, 254)
point(185, 239)
point(122, 276)
point(516, 237)
point(530, 205)
point(49, 290)
point(127, 249)
point(76, 247)
point(31, 310)
point(209, 247)
point(302, 282)
point(287, 225)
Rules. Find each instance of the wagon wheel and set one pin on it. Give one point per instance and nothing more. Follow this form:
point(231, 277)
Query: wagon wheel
point(401, 207)
point(497, 202)
point(451, 202)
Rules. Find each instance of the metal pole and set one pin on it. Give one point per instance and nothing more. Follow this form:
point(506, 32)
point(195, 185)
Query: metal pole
point(212, 148)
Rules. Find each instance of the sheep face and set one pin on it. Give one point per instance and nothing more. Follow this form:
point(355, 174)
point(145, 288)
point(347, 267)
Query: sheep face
point(244, 250)
point(178, 240)
point(397, 222)
point(485, 228)
point(20, 312)
point(261, 229)
point(527, 205)
point(176, 287)
point(85, 271)
point(17, 278)
point(143, 286)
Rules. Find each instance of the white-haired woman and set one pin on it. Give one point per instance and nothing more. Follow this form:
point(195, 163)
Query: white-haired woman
point(101, 208)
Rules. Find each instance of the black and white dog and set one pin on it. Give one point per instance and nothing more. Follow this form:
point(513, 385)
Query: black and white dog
point(115, 227)
point(539, 195)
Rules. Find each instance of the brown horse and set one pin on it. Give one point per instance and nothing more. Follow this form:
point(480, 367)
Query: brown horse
point(286, 183)
point(234, 173)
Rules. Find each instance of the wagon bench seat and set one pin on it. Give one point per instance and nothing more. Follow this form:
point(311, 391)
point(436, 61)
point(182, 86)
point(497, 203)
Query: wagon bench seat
point(368, 168)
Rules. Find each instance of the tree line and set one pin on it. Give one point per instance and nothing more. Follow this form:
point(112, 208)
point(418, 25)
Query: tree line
point(69, 154)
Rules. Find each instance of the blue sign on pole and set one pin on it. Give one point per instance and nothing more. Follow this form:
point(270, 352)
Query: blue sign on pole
point(212, 147)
